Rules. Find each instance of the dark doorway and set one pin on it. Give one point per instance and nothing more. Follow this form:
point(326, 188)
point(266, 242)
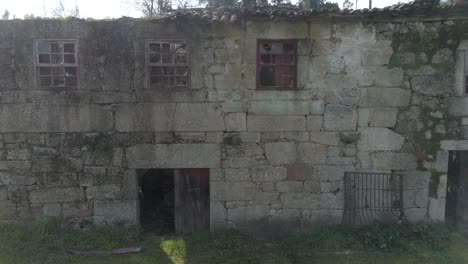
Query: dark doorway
point(157, 201)
point(174, 200)
point(456, 207)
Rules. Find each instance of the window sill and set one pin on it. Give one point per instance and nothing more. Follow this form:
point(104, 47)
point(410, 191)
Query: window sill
point(277, 89)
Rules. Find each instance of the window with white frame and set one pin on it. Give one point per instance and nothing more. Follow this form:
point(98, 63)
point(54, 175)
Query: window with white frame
point(167, 64)
point(56, 63)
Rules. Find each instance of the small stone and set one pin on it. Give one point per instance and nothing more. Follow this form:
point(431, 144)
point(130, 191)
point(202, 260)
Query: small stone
point(299, 172)
point(311, 153)
point(267, 173)
point(431, 85)
point(312, 186)
point(52, 210)
point(279, 153)
point(443, 56)
point(300, 200)
point(339, 117)
point(428, 134)
point(241, 174)
point(235, 122)
point(389, 77)
point(289, 186)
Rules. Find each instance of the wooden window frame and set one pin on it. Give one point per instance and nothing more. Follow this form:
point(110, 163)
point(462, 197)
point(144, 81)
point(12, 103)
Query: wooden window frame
point(38, 65)
point(152, 64)
point(259, 63)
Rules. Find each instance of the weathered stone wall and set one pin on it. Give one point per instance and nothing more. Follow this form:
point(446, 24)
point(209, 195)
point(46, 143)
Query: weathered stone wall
point(371, 97)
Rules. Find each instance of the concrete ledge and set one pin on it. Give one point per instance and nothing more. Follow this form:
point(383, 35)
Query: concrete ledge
point(454, 144)
point(55, 118)
point(458, 106)
point(174, 156)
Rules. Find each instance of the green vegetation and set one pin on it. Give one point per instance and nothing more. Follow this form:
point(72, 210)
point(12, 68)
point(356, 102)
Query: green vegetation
point(378, 243)
point(424, 45)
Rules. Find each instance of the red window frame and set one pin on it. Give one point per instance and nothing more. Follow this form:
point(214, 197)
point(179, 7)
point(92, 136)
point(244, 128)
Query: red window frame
point(279, 68)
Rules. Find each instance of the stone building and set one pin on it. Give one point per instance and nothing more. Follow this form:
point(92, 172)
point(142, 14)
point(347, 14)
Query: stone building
point(260, 112)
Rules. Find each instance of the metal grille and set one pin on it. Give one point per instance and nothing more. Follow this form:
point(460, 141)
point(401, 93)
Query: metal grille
point(373, 197)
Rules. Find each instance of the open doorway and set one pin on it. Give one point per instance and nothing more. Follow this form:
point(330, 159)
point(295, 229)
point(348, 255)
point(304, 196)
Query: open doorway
point(157, 201)
point(456, 207)
point(174, 200)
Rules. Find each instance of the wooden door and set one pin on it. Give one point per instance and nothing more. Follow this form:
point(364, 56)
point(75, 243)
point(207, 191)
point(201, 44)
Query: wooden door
point(462, 192)
point(451, 197)
point(192, 200)
point(456, 209)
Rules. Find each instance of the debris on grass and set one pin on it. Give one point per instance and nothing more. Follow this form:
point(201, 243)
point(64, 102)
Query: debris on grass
point(124, 250)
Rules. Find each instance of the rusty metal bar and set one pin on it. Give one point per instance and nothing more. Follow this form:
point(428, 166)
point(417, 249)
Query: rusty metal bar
point(372, 197)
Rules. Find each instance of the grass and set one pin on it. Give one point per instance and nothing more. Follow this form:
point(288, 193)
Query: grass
point(378, 243)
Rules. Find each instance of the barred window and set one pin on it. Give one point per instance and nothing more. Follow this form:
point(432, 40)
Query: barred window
point(276, 64)
point(168, 64)
point(56, 63)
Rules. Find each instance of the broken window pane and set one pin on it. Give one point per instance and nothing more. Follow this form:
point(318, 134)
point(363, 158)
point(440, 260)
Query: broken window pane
point(181, 71)
point(181, 58)
point(180, 48)
point(181, 81)
point(70, 71)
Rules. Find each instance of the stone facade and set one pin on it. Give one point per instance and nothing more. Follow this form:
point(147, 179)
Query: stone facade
point(371, 96)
